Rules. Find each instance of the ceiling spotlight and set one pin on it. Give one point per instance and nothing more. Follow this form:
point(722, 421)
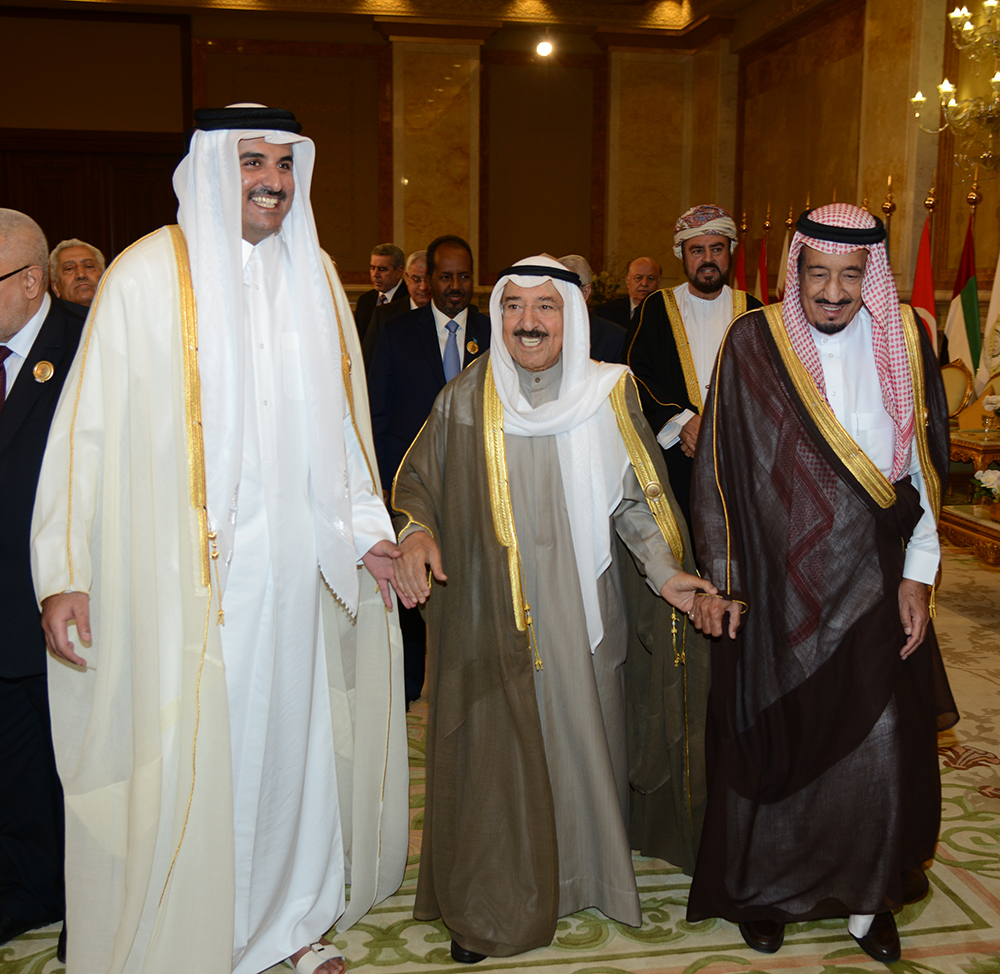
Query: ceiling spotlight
point(545, 49)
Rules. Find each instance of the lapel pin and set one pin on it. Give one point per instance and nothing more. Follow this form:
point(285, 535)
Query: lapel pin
point(43, 371)
point(472, 347)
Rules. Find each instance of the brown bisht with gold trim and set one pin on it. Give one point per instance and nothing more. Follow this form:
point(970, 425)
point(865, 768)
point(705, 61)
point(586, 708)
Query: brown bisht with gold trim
point(822, 762)
point(489, 861)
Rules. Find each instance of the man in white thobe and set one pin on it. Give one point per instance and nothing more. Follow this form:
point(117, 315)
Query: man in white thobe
point(211, 461)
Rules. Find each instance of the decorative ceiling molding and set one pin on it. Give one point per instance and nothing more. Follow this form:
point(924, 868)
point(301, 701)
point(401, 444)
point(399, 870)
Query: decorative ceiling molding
point(696, 35)
point(609, 15)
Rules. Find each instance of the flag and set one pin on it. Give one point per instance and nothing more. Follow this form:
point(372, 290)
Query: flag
point(989, 361)
point(922, 300)
point(783, 266)
point(760, 290)
point(740, 271)
point(961, 333)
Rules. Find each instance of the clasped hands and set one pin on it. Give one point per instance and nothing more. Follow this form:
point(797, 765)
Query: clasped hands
point(700, 600)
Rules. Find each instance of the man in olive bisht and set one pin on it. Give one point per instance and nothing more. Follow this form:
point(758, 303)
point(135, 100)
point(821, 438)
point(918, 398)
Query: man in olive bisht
point(817, 487)
point(530, 462)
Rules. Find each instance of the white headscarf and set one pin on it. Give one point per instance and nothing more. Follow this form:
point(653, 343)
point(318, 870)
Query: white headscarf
point(592, 455)
point(208, 187)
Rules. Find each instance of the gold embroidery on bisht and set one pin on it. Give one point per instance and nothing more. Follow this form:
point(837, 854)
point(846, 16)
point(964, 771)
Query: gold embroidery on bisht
point(852, 456)
point(683, 348)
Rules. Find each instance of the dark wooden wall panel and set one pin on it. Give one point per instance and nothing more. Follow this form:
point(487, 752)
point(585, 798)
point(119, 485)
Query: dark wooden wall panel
point(108, 188)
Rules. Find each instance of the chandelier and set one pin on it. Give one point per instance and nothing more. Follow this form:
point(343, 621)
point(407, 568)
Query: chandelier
point(974, 121)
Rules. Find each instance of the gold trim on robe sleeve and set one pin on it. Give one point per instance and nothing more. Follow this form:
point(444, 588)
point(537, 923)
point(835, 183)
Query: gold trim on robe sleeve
point(683, 349)
point(503, 514)
point(843, 444)
point(931, 478)
point(645, 470)
point(192, 395)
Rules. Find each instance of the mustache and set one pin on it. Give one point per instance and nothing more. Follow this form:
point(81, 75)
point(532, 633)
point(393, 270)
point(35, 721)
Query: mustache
point(530, 333)
point(714, 267)
point(840, 303)
point(279, 194)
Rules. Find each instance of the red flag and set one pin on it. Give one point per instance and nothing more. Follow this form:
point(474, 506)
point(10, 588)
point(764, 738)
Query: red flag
point(923, 286)
point(740, 271)
point(760, 291)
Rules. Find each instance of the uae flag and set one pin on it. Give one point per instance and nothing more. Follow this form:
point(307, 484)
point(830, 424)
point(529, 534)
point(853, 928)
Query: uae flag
point(922, 301)
point(740, 270)
point(989, 360)
point(961, 333)
point(760, 290)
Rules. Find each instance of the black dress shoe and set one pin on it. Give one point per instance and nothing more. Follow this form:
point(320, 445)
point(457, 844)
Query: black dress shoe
point(763, 935)
point(915, 885)
point(61, 946)
point(882, 940)
point(464, 956)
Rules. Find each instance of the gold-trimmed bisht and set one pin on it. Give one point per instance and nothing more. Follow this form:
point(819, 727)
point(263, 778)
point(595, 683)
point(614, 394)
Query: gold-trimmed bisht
point(853, 457)
point(683, 346)
point(503, 514)
point(199, 494)
point(932, 481)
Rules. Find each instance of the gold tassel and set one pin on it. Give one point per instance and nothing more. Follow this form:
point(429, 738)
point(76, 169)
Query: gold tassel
point(221, 620)
point(673, 635)
point(532, 641)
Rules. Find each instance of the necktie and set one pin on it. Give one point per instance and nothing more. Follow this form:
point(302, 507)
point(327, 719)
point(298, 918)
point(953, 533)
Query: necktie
point(382, 299)
point(4, 352)
point(452, 363)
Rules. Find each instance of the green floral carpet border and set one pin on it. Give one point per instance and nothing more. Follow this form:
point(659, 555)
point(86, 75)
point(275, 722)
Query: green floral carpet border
point(955, 930)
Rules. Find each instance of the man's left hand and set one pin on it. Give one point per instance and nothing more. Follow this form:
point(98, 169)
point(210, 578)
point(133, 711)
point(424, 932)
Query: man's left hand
point(379, 561)
point(913, 613)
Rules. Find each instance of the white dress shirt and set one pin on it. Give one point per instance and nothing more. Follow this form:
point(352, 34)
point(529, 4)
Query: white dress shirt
point(20, 344)
point(855, 395)
point(705, 321)
point(441, 323)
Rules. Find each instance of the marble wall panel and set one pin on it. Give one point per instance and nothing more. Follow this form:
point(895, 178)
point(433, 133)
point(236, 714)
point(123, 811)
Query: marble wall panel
point(435, 142)
point(647, 164)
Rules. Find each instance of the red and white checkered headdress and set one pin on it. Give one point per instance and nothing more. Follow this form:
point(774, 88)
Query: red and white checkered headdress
point(840, 228)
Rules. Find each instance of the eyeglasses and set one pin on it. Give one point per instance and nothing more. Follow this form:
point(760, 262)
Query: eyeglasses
point(18, 271)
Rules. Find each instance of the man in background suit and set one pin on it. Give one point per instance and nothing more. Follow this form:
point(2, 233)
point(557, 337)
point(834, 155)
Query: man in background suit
point(607, 338)
point(417, 353)
point(38, 338)
point(642, 278)
point(418, 289)
point(386, 271)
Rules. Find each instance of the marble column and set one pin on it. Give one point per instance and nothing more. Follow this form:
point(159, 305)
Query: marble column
point(671, 144)
point(435, 92)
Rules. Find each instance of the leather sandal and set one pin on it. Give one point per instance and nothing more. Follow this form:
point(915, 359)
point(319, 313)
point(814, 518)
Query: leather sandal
point(316, 956)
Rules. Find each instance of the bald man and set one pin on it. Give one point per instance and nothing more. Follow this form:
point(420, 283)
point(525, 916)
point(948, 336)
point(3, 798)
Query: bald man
point(642, 278)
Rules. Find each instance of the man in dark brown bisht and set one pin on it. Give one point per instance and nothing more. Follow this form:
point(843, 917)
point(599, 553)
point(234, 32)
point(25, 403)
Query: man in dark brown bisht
point(817, 487)
point(530, 463)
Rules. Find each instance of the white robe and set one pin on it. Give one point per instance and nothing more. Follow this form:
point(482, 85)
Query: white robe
point(154, 877)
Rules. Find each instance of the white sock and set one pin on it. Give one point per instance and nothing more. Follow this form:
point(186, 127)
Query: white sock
point(860, 923)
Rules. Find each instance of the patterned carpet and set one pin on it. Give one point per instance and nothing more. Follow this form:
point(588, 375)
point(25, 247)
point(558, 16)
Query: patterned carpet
point(955, 930)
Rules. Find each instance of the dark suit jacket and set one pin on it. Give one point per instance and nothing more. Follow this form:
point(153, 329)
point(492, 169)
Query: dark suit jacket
point(367, 304)
point(379, 317)
point(24, 429)
point(405, 377)
point(607, 340)
point(619, 311)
